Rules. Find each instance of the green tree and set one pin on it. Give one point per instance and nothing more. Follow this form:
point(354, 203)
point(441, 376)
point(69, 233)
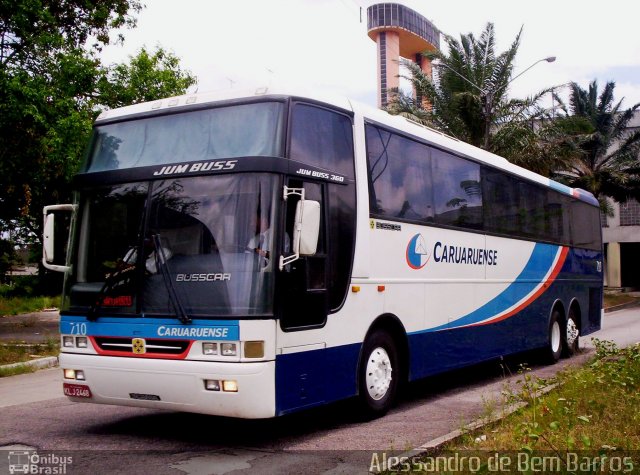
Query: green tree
point(47, 79)
point(602, 151)
point(468, 99)
point(33, 30)
point(52, 86)
point(147, 76)
point(44, 124)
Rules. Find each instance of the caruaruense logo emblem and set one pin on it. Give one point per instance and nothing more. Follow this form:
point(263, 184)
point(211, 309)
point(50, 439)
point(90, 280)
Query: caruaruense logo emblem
point(417, 254)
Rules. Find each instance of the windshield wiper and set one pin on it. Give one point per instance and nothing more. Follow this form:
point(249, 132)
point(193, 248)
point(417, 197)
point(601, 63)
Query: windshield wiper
point(163, 267)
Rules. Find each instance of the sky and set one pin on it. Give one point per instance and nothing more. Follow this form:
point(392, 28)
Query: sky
point(323, 44)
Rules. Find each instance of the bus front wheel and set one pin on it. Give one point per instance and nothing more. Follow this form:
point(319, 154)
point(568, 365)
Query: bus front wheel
point(379, 374)
point(553, 350)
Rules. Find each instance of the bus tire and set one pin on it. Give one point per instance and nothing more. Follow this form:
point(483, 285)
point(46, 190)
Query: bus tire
point(571, 336)
point(553, 350)
point(379, 374)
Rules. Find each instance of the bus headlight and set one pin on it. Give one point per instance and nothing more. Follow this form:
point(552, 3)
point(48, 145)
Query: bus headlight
point(209, 348)
point(81, 342)
point(228, 349)
point(67, 341)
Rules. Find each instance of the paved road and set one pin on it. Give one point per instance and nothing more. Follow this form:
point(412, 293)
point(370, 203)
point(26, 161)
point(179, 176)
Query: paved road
point(327, 440)
point(38, 327)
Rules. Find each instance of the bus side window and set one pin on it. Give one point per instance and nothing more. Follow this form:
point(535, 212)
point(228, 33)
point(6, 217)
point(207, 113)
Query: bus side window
point(322, 138)
point(456, 191)
point(400, 183)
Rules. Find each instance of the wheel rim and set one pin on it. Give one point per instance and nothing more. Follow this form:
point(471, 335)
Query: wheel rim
point(572, 333)
point(555, 337)
point(378, 377)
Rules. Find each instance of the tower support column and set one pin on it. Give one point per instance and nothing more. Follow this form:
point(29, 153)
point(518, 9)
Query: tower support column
point(388, 65)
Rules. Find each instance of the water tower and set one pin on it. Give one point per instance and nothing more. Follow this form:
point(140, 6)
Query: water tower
point(399, 31)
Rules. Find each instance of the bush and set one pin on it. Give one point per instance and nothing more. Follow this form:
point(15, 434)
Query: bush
point(7, 258)
point(21, 286)
point(48, 284)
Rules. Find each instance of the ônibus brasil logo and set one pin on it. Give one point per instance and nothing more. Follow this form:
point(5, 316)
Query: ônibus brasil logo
point(417, 254)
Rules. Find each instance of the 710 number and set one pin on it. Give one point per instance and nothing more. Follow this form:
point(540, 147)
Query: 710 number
point(78, 328)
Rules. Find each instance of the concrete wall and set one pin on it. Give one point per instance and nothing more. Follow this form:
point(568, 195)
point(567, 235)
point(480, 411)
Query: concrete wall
point(621, 244)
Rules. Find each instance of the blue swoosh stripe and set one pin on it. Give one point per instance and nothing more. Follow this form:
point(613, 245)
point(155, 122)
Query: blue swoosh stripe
point(538, 266)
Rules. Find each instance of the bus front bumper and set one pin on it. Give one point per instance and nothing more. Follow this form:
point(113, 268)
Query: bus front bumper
point(177, 385)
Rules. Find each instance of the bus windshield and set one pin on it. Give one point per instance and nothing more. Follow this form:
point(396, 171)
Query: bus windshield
point(242, 130)
point(149, 247)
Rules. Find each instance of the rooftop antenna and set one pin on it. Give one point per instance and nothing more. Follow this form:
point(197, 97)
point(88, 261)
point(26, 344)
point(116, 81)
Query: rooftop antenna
point(270, 71)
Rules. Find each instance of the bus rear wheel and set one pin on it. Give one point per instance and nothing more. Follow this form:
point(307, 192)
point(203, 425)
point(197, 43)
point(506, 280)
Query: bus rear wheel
point(378, 374)
point(571, 335)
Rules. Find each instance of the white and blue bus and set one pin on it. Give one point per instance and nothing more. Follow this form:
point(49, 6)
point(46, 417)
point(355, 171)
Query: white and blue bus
point(251, 255)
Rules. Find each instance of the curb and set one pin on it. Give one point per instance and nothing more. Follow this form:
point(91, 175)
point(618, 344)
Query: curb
point(478, 423)
point(435, 444)
point(622, 306)
point(39, 363)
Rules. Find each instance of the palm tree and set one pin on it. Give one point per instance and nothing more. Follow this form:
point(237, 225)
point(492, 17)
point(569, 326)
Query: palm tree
point(603, 153)
point(468, 98)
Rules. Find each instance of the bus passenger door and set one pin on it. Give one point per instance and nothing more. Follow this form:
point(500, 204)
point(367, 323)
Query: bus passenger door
point(302, 307)
point(303, 285)
point(309, 370)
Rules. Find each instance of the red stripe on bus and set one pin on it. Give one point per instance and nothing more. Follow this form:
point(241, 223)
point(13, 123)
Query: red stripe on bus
point(556, 270)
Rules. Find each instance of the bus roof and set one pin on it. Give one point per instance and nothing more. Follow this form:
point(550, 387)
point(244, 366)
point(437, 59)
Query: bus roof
point(226, 95)
point(369, 113)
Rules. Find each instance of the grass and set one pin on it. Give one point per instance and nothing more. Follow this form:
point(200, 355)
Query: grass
point(20, 353)
point(19, 305)
point(586, 424)
point(16, 370)
point(613, 299)
point(14, 352)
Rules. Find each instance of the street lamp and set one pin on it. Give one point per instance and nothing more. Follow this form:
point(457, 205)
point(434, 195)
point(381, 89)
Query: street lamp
point(549, 59)
point(488, 96)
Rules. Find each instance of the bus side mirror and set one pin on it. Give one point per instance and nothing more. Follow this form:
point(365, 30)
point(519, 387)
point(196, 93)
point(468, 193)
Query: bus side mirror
point(305, 232)
point(48, 237)
point(309, 227)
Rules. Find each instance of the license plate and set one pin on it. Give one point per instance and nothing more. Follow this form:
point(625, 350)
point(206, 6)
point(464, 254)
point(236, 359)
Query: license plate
point(76, 390)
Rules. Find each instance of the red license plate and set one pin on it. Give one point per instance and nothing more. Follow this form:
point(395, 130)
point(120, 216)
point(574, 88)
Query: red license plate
point(76, 390)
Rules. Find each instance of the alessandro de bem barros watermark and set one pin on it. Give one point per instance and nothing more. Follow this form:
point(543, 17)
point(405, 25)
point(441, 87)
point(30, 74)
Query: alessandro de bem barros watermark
point(31, 462)
point(510, 463)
